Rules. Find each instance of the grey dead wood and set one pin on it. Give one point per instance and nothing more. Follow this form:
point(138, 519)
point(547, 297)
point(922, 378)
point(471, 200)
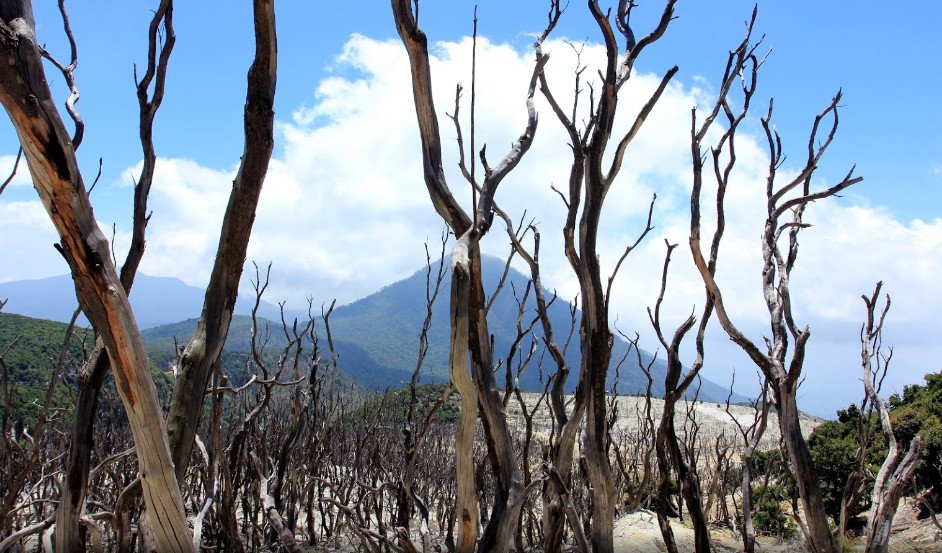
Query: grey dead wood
point(470, 338)
point(50, 156)
point(68, 535)
point(204, 348)
point(782, 359)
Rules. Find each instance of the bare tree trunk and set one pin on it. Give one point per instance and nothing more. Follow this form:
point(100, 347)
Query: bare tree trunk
point(667, 442)
point(51, 158)
point(466, 506)
point(205, 346)
point(69, 536)
point(751, 436)
point(782, 358)
point(591, 175)
point(285, 535)
point(891, 480)
point(806, 476)
point(469, 307)
point(68, 530)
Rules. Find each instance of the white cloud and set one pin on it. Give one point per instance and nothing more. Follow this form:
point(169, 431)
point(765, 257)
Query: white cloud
point(21, 178)
point(345, 210)
point(26, 242)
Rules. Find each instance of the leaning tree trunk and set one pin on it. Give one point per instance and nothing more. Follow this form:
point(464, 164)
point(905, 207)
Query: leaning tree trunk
point(887, 490)
point(894, 473)
point(68, 534)
point(25, 94)
point(205, 346)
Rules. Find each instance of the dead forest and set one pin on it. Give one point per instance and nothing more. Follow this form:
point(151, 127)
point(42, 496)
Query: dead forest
point(293, 456)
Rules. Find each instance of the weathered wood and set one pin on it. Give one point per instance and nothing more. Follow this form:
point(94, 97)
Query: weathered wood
point(68, 531)
point(466, 500)
point(782, 359)
point(271, 513)
point(470, 317)
point(204, 348)
point(590, 178)
point(51, 159)
point(894, 474)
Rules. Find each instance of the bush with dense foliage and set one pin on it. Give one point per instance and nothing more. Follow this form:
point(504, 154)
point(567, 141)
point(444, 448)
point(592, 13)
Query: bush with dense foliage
point(834, 444)
point(834, 447)
point(772, 489)
point(919, 412)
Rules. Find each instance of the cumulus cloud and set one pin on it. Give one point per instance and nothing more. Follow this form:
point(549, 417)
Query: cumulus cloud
point(26, 240)
point(20, 178)
point(345, 210)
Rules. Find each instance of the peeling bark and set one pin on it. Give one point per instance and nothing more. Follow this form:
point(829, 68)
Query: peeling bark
point(51, 159)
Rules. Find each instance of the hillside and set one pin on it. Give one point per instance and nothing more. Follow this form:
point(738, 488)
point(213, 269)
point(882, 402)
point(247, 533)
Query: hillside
point(386, 325)
point(356, 364)
point(30, 348)
point(376, 337)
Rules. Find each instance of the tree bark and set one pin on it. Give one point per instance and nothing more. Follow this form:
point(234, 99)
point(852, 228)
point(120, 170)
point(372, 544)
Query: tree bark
point(51, 159)
point(891, 480)
point(69, 535)
point(467, 286)
point(806, 476)
point(466, 506)
point(205, 346)
point(285, 535)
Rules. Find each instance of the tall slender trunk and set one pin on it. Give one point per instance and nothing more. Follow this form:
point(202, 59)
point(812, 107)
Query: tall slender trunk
point(69, 536)
point(806, 477)
point(204, 348)
point(54, 168)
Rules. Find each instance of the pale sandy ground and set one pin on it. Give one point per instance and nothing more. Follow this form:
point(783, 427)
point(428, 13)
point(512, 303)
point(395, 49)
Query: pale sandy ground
point(711, 417)
point(638, 532)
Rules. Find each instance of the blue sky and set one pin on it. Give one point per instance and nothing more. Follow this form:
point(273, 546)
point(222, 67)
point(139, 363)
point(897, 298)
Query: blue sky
point(336, 86)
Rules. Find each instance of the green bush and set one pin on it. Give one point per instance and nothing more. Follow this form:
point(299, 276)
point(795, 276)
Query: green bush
point(919, 412)
point(770, 518)
point(834, 446)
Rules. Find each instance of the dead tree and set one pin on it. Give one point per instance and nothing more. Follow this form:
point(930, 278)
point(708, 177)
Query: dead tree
point(205, 346)
point(469, 330)
point(751, 437)
point(417, 426)
point(50, 154)
point(894, 474)
point(635, 449)
point(782, 360)
point(29, 453)
point(592, 174)
point(91, 376)
point(666, 442)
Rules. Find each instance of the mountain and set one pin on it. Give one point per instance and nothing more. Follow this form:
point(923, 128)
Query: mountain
point(376, 337)
point(155, 300)
point(386, 324)
point(356, 364)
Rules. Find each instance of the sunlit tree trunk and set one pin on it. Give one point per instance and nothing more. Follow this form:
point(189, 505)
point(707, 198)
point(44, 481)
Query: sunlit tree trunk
point(49, 153)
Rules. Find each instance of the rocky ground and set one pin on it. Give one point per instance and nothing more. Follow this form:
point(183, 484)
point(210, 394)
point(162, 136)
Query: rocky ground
point(638, 532)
